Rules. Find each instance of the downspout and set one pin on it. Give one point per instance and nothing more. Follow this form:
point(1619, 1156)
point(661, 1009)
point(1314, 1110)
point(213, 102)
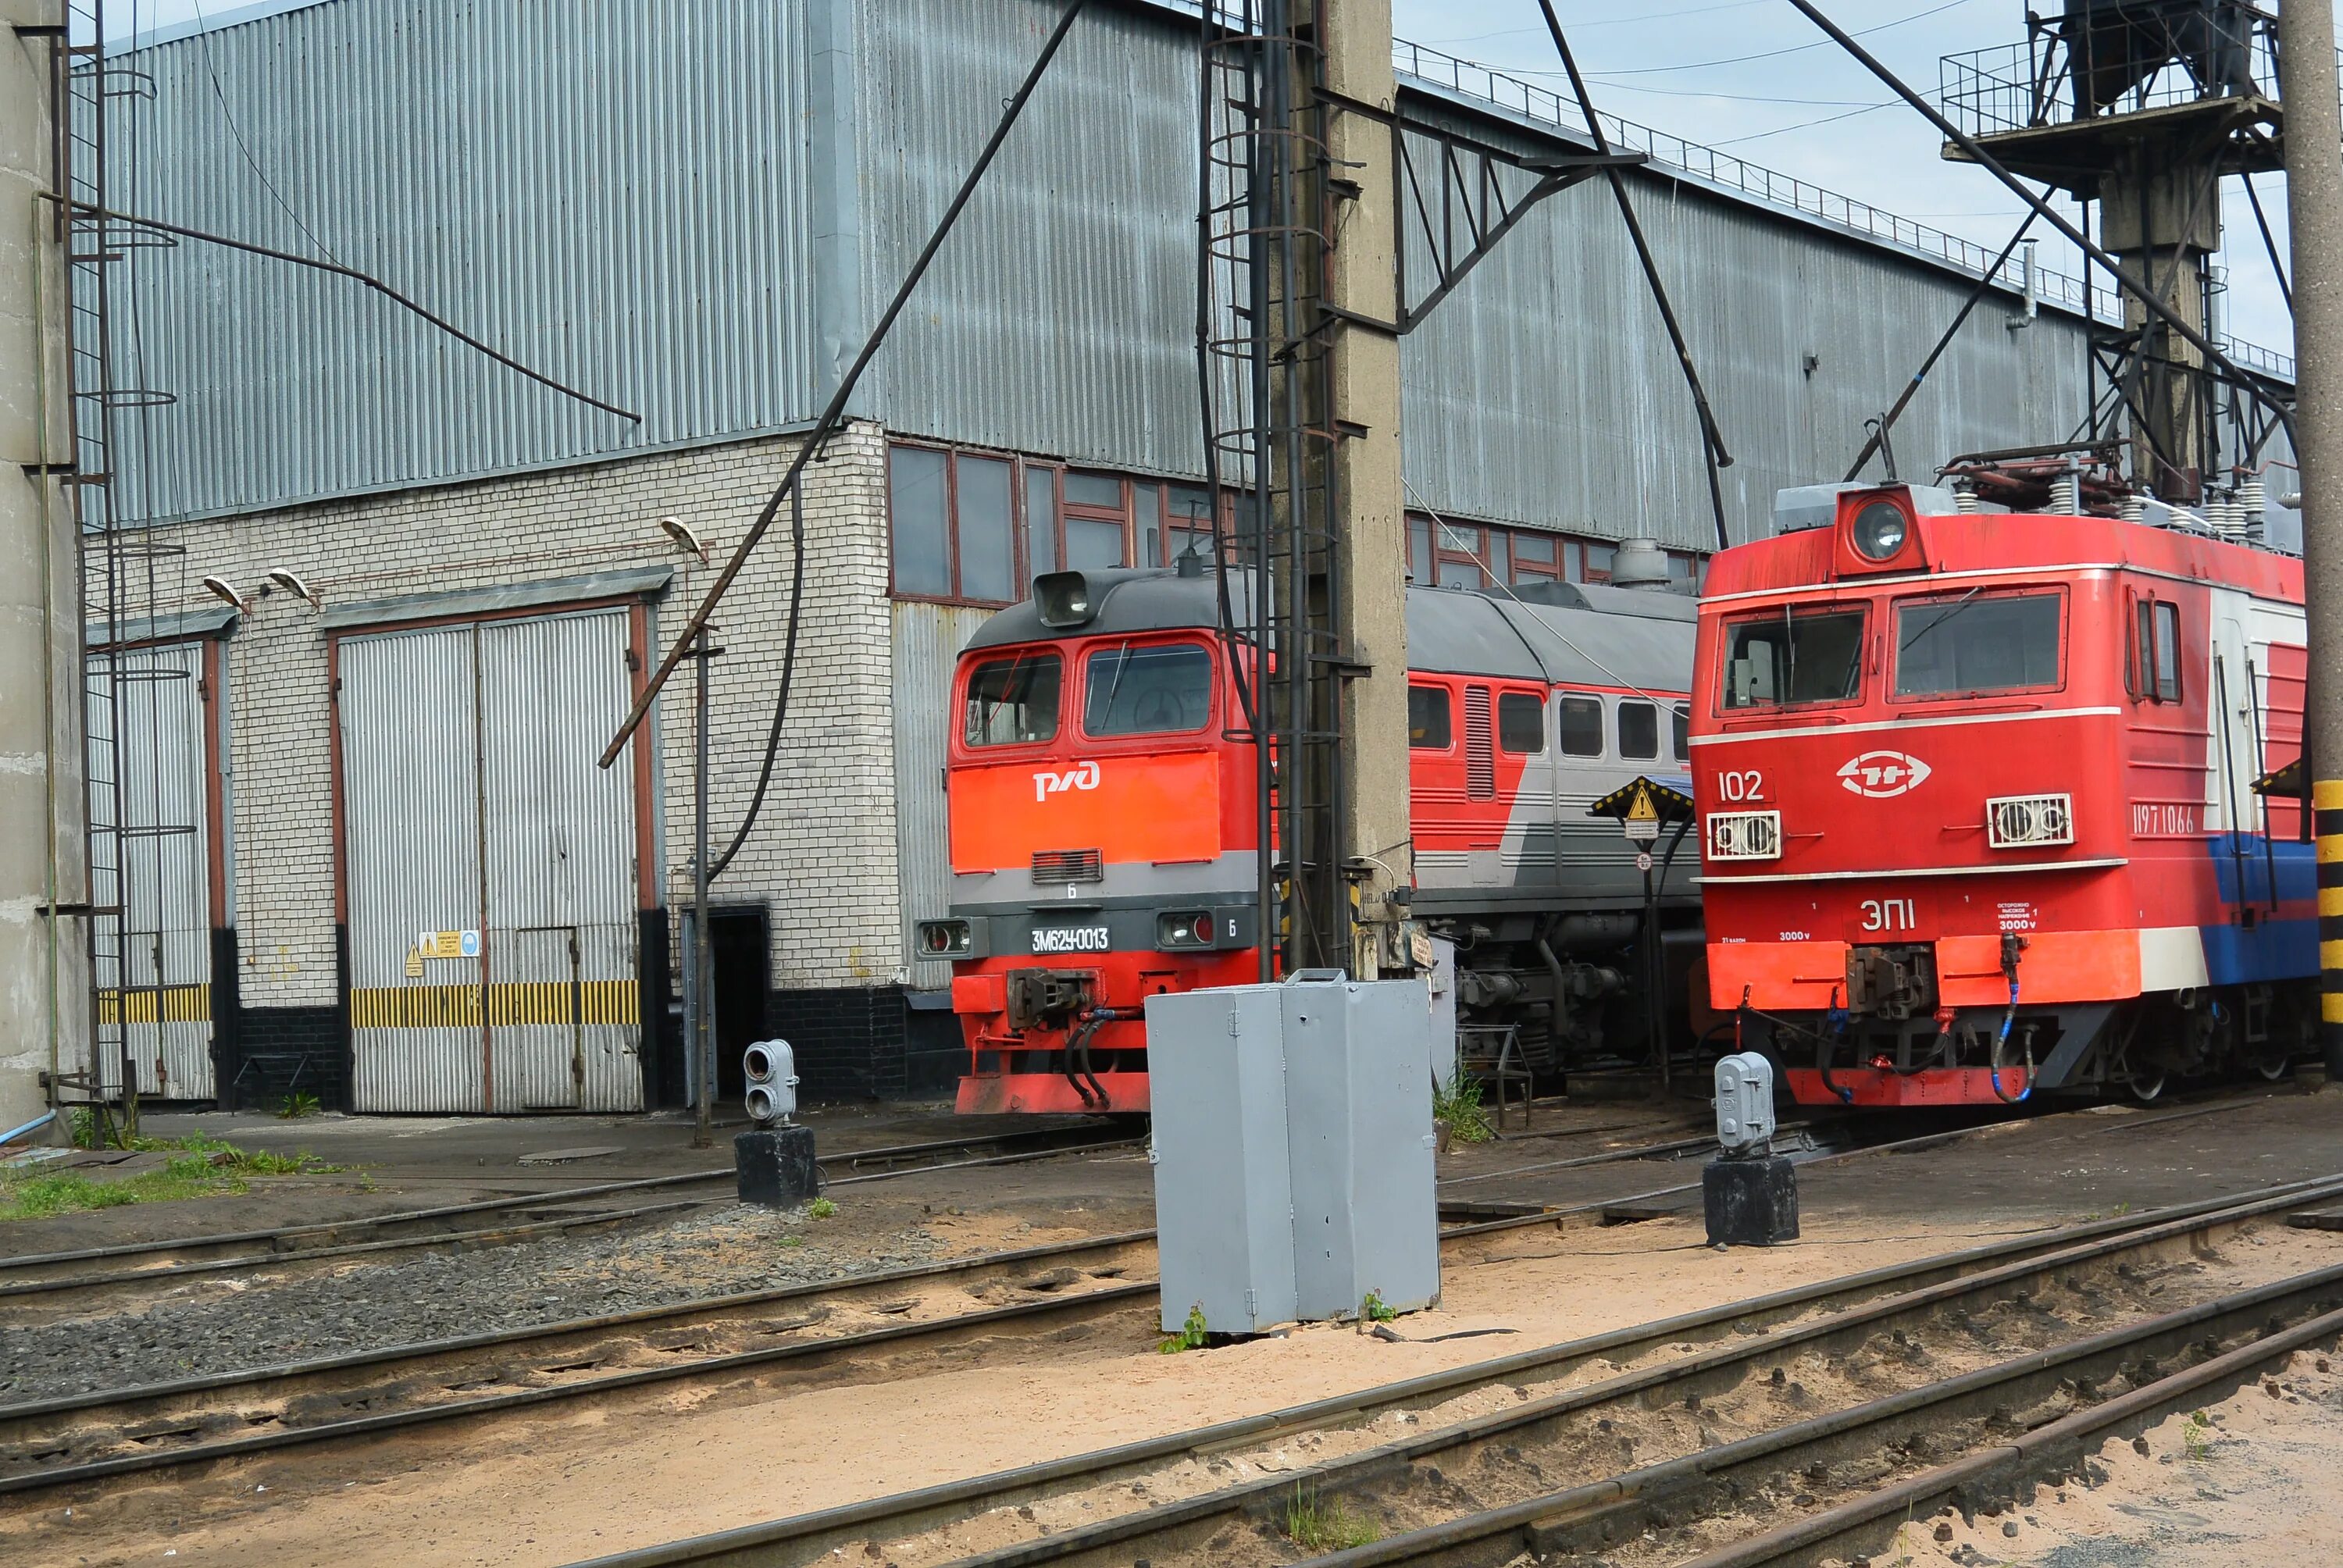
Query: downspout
point(48, 635)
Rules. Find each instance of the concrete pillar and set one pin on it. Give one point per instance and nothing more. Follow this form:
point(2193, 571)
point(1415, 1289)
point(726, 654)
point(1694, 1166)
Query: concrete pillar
point(2160, 218)
point(1371, 519)
point(2314, 184)
point(44, 963)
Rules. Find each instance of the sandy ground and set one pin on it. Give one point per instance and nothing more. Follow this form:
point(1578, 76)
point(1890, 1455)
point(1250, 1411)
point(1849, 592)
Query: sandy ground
point(2250, 1482)
point(519, 1492)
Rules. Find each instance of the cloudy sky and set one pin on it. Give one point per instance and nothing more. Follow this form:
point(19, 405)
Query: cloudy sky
point(1757, 79)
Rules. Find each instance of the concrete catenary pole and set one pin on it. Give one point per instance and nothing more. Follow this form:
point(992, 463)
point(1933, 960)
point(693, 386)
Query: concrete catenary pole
point(2314, 185)
point(43, 964)
point(1371, 517)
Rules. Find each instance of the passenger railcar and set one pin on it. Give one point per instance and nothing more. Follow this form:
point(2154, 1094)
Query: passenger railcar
point(1102, 809)
point(1979, 801)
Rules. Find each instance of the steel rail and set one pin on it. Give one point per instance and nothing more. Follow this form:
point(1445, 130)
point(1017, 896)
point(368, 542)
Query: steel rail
point(296, 1243)
point(805, 1537)
point(1561, 1519)
point(2054, 1449)
point(547, 1336)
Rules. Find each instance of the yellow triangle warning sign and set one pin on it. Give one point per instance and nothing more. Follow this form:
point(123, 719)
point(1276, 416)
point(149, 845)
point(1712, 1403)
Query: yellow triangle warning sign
point(1642, 809)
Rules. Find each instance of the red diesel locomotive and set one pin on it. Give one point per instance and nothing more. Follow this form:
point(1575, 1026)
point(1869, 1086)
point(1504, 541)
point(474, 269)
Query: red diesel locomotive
point(1101, 806)
point(1983, 809)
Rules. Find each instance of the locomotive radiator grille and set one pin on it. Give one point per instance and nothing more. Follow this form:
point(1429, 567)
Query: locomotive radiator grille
point(1745, 836)
point(1068, 866)
point(1480, 747)
point(2028, 821)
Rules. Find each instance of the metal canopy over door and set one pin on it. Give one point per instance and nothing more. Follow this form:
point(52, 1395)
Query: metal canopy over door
point(150, 861)
point(491, 868)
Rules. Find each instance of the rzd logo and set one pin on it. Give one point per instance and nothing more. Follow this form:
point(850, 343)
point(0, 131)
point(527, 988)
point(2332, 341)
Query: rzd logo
point(1879, 774)
point(1085, 777)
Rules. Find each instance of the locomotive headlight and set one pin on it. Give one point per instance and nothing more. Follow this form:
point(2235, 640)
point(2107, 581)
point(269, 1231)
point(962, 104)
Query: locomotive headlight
point(945, 938)
point(1063, 599)
point(1879, 530)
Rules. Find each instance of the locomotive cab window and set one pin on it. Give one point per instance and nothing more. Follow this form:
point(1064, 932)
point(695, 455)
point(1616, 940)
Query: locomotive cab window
point(1639, 731)
point(1579, 724)
point(1787, 655)
point(1427, 719)
point(1520, 723)
point(1977, 642)
point(1013, 701)
point(1157, 691)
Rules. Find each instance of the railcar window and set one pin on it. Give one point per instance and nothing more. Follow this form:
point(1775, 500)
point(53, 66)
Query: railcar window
point(1013, 701)
point(2168, 651)
point(1639, 731)
point(1155, 690)
point(1581, 726)
point(1787, 657)
point(1680, 722)
point(2003, 642)
point(1520, 723)
point(1427, 719)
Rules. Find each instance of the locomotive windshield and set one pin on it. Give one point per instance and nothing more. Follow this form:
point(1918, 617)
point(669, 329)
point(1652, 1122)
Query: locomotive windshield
point(1790, 656)
point(2005, 642)
point(1013, 701)
point(1155, 690)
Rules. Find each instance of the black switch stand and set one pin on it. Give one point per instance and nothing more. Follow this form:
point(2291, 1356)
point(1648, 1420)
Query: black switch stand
point(1750, 1200)
point(776, 1168)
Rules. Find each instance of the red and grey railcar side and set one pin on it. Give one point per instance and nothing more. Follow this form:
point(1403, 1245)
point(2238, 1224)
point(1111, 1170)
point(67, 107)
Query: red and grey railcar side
point(1103, 824)
point(1979, 801)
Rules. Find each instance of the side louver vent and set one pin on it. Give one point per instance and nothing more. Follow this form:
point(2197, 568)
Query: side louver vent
point(2029, 821)
point(1479, 748)
point(1745, 836)
point(1068, 866)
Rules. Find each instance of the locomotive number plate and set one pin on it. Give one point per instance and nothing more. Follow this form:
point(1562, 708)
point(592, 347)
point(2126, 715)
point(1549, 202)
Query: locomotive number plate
point(1069, 938)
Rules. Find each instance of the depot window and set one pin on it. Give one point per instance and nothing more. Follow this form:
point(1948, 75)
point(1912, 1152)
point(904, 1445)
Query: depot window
point(1977, 642)
point(1447, 554)
point(1154, 690)
point(1791, 656)
point(1428, 727)
point(1013, 701)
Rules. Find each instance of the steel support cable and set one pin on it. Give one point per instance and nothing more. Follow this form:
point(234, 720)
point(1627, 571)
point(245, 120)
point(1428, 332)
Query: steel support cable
point(781, 701)
point(827, 423)
point(1912, 387)
point(1974, 151)
point(89, 209)
point(1712, 449)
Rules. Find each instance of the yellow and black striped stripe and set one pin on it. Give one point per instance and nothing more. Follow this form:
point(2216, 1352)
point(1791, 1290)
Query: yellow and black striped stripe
point(2326, 823)
point(510, 1004)
point(175, 1003)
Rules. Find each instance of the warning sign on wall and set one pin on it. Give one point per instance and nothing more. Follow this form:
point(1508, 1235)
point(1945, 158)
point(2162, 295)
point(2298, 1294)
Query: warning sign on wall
point(449, 944)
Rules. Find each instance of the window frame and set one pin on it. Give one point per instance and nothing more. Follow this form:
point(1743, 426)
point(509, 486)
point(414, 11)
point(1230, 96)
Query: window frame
point(1447, 748)
point(1021, 574)
point(1772, 615)
point(1096, 645)
point(1013, 655)
point(2143, 641)
point(1894, 649)
point(1619, 707)
point(1601, 726)
point(1537, 705)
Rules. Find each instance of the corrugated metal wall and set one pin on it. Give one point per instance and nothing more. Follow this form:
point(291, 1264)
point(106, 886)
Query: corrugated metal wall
point(1545, 389)
point(616, 196)
point(927, 638)
point(154, 959)
point(458, 738)
point(1059, 317)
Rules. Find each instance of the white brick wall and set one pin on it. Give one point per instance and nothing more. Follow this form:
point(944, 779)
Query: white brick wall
point(823, 851)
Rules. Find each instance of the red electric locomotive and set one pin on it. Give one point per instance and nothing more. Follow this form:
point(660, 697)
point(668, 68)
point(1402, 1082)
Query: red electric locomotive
point(1983, 809)
point(1103, 833)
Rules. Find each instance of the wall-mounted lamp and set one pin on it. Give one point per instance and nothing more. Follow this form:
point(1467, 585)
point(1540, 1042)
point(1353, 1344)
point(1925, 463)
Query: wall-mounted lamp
point(292, 585)
point(685, 539)
point(228, 593)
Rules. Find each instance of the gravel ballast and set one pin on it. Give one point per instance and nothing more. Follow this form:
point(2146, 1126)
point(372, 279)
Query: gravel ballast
point(232, 1323)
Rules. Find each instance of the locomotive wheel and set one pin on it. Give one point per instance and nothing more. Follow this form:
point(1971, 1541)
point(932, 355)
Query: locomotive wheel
point(2146, 1086)
point(2273, 1068)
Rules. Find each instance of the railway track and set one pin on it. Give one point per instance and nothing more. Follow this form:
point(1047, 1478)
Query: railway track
point(79, 1440)
point(1490, 1474)
point(496, 1221)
